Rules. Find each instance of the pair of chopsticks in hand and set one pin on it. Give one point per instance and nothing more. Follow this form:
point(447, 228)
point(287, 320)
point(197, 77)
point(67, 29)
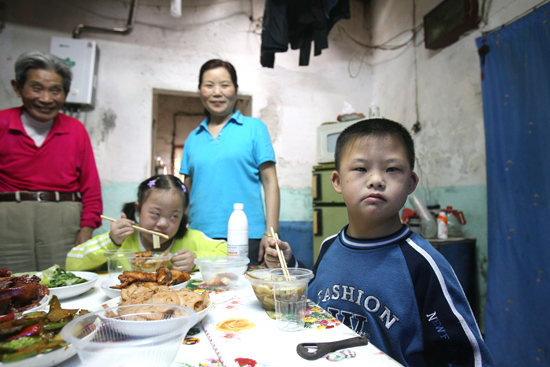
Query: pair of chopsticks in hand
point(280, 253)
point(156, 235)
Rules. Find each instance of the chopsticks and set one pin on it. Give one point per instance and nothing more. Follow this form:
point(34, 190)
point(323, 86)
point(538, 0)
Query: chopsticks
point(156, 235)
point(280, 253)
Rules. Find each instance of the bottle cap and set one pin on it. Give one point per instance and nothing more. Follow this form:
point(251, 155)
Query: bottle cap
point(238, 206)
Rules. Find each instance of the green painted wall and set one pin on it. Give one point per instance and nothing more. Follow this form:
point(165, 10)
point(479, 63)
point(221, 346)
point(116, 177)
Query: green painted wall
point(296, 205)
point(114, 195)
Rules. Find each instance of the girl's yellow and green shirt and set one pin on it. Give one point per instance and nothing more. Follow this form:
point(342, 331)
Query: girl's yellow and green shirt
point(90, 255)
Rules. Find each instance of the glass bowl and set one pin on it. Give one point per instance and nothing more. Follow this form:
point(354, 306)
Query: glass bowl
point(130, 336)
point(222, 271)
point(149, 264)
point(261, 283)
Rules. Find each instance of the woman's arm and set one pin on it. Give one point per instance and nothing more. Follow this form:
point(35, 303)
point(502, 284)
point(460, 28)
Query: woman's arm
point(188, 182)
point(268, 176)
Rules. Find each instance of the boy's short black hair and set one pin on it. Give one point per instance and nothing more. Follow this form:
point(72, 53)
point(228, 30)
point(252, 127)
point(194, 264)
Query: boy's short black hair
point(374, 127)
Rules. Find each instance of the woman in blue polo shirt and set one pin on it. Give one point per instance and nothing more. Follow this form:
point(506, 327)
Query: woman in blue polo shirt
point(227, 160)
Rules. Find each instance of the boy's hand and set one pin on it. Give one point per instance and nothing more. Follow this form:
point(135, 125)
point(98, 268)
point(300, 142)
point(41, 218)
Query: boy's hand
point(120, 229)
point(264, 244)
point(184, 260)
point(271, 258)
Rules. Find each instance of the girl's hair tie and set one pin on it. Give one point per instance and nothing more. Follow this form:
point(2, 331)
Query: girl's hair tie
point(183, 188)
point(151, 183)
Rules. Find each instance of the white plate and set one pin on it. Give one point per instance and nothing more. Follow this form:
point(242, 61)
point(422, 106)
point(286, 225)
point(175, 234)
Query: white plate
point(77, 289)
point(137, 329)
point(112, 293)
point(44, 305)
point(52, 358)
point(200, 315)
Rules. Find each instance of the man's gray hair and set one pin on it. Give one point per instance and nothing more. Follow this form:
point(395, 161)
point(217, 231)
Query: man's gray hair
point(42, 61)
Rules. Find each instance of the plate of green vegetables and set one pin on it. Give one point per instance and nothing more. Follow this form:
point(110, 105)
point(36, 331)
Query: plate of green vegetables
point(65, 284)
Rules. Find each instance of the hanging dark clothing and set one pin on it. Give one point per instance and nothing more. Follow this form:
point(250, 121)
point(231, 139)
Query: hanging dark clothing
point(299, 23)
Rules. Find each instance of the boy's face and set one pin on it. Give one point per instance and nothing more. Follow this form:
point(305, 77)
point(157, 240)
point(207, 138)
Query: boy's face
point(374, 179)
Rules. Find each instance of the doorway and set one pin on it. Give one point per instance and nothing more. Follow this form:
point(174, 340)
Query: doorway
point(175, 115)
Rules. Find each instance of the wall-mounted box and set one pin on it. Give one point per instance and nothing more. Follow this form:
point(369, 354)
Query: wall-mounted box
point(448, 21)
point(82, 56)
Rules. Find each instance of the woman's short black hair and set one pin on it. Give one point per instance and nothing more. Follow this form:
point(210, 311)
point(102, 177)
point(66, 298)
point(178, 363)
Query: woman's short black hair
point(217, 63)
point(160, 182)
point(214, 64)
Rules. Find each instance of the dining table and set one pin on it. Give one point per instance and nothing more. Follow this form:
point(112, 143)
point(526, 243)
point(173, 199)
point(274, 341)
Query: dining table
point(238, 332)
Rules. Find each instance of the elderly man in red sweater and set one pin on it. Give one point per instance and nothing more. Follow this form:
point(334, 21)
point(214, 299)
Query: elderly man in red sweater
point(50, 193)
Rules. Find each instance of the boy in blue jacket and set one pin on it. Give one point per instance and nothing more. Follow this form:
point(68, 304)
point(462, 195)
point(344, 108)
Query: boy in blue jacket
point(377, 276)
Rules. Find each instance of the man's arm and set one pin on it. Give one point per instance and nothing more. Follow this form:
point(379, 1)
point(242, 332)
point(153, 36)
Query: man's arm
point(84, 235)
point(90, 186)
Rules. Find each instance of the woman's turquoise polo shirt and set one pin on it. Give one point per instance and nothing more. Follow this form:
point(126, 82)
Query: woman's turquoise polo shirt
point(225, 170)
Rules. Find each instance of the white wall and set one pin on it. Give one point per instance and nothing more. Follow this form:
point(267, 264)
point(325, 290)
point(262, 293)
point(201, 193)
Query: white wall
point(451, 144)
point(166, 53)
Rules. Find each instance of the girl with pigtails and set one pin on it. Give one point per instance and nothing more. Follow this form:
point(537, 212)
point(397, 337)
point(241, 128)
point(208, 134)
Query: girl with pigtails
point(161, 206)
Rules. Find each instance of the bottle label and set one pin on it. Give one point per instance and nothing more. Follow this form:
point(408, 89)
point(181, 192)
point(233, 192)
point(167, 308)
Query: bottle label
point(442, 226)
point(237, 250)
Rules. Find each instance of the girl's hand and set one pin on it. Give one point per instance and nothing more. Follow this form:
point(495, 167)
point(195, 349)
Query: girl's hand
point(271, 258)
point(120, 229)
point(184, 260)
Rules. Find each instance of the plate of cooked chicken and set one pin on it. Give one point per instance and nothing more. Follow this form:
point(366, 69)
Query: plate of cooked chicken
point(174, 279)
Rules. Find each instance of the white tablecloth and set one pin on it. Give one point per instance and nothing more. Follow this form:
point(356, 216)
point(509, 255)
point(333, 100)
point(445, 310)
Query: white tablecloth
point(261, 345)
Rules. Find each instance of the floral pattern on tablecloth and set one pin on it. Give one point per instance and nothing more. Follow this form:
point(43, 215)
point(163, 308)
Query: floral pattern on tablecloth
point(316, 317)
point(209, 362)
point(198, 285)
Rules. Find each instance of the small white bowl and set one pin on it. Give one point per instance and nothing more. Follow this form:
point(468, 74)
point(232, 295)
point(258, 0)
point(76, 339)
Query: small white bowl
point(113, 302)
point(77, 289)
point(112, 293)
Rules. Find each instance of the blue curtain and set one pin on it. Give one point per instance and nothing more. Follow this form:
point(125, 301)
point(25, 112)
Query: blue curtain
point(515, 64)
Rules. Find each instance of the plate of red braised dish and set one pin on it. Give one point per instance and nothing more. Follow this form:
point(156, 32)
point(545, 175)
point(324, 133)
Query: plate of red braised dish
point(22, 293)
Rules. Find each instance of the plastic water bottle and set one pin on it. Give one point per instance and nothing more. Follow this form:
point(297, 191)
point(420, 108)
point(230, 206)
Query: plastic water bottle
point(237, 232)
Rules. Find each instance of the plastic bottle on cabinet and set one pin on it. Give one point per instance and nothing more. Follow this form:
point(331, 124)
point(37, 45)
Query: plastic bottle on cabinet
point(442, 225)
point(414, 223)
point(237, 232)
point(455, 221)
point(428, 227)
point(434, 208)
